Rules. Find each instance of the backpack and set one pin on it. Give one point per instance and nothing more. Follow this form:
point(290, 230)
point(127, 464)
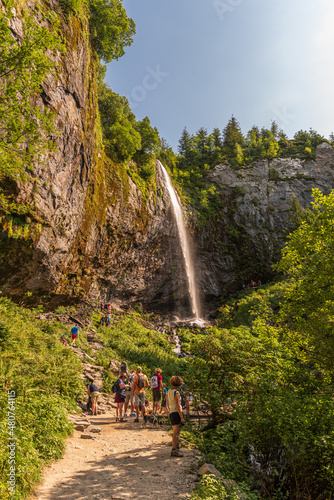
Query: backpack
point(154, 382)
point(141, 381)
point(115, 387)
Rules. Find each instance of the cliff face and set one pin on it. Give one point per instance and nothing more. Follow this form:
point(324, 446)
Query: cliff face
point(104, 239)
point(100, 237)
point(246, 239)
point(59, 185)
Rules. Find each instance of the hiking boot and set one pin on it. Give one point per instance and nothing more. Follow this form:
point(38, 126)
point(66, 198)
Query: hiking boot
point(132, 415)
point(176, 453)
point(136, 420)
point(125, 415)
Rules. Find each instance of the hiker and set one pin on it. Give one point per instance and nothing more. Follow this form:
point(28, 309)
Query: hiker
point(140, 383)
point(102, 321)
point(163, 408)
point(129, 397)
point(175, 413)
point(74, 333)
point(101, 306)
point(120, 397)
point(93, 393)
point(155, 383)
point(63, 339)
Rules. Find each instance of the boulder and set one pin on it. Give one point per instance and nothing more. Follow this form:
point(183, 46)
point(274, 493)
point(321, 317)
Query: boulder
point(80, 428)
point(209, 469)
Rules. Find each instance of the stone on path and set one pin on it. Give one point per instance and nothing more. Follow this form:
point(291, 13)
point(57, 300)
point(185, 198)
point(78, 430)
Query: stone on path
point(209, 469)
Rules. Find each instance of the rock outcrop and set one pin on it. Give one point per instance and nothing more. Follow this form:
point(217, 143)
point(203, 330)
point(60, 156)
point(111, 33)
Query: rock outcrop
point(246, 238)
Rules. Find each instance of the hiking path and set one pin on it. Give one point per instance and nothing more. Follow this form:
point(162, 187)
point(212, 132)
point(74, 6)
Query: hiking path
point(120, 461)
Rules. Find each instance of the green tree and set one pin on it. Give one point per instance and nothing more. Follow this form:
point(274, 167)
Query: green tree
point(150, 140)
point(217, 147)
point(232, 136)
point(167, 156)
point(110, 27)
point(307, 315)
point(119, 125)
point(150, 143)
point(274, 130)
point(185, 143)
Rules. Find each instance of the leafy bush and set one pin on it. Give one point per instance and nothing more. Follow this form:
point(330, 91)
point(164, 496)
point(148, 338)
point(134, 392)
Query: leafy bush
point(272, 413)
point(211, 488)
point(44, 375)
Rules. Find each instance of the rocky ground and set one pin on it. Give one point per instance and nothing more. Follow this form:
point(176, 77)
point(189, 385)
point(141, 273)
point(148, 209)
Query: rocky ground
point(115, 461)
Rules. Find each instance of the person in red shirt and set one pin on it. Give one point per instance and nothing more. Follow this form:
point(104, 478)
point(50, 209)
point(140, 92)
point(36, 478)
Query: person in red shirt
point(156, 384)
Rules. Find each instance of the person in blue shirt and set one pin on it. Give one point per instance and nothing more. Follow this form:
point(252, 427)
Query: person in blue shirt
point(75, 333)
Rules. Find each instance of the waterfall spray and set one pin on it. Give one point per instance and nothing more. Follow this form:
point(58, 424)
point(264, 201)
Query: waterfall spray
point(195, 306)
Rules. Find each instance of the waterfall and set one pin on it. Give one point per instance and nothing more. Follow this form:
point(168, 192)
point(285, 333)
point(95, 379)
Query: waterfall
point(195, 306)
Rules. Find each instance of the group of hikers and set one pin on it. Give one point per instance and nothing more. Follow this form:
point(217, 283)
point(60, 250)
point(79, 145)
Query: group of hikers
point(130, 389)
point(74, 335)
point(251, 284)
point(129, 393)
point(106, 319)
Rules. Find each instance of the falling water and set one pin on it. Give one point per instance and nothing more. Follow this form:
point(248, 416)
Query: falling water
point(185, 247)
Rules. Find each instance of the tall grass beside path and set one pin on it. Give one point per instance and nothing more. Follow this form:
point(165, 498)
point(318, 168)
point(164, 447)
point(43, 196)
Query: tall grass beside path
point(43, 378)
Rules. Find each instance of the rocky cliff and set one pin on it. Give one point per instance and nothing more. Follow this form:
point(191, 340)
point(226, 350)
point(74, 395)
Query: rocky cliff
point(243, 242)
point(100, 237)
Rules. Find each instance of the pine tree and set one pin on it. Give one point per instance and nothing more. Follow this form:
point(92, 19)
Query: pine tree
point(232, 136)
point(185, 142)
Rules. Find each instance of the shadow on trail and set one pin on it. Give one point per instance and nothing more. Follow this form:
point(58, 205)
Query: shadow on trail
point(141, 473)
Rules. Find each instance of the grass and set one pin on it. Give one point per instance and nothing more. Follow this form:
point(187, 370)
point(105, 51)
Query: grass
point(128, 340)
point(43, 378)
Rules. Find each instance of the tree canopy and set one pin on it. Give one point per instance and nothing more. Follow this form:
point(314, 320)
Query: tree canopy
point(110, 27)
point(307, 315)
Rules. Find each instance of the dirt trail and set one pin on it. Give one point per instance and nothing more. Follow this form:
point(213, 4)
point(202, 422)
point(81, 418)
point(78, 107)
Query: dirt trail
point(124, 461)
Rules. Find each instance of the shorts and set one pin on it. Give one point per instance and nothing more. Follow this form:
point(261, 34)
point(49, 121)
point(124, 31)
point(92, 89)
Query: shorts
point(94, 396)
point(129, 397)
point(174, 418)
point(74, 336)
point(118, 398)
point(156, 395)
point(140, 398)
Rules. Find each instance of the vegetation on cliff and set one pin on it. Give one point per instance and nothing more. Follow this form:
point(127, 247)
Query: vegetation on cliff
point(200, 152)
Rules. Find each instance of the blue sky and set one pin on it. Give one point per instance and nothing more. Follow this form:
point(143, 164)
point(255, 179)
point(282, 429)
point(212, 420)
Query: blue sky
point(194, 63)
